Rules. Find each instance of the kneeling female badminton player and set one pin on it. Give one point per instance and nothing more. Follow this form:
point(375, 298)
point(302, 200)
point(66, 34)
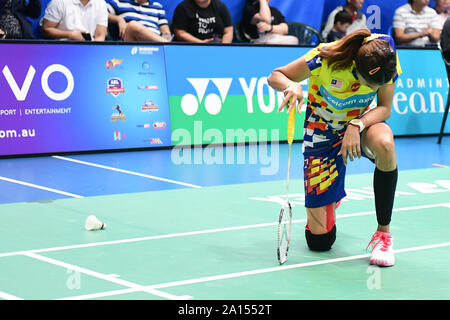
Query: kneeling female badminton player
point(345, 76)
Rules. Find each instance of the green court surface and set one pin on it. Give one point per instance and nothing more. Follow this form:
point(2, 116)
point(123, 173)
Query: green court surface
point(219, 243)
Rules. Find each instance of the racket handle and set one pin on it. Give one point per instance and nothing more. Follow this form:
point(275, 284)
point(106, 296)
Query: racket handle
point(291, 123)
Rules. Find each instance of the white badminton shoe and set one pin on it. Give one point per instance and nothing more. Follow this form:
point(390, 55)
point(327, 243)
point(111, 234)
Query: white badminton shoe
point(382, 253)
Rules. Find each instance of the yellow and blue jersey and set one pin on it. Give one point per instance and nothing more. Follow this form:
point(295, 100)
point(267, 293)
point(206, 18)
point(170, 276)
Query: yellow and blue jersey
point(335, 97)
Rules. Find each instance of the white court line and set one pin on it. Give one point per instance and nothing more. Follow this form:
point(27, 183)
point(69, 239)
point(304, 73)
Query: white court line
point(126, 171)
point(285, 267)
point(100, 294)
point(109, 278)
point(172, 235)
point(193, 233)
point(7, 296)
point(41, 187)
point(440, 165)
point(251, 272)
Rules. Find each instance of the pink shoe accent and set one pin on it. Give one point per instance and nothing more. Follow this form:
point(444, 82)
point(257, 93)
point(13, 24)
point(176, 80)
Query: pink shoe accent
point(383, 237)
point(383, 242)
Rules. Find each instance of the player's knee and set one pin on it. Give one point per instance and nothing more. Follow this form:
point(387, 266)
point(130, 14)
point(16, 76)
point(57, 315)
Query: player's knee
point(320, 242)
point(385, 148)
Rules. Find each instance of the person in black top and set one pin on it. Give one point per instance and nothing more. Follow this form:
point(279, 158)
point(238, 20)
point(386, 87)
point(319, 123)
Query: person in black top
point(262, 24)
point(14, 23)
point(202, 21)
point(342, 21)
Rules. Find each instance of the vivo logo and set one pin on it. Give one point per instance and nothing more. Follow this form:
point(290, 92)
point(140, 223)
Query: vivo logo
point(21, 92)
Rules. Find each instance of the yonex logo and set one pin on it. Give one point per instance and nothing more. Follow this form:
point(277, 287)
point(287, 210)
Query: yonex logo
point(213, 103)
point(267, 97)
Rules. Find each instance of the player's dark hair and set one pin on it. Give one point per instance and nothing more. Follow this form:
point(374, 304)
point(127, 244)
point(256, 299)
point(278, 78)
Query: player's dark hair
point(375, 60)
point(343, 17)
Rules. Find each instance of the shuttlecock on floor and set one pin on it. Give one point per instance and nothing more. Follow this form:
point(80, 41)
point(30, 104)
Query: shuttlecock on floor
point(92, 223)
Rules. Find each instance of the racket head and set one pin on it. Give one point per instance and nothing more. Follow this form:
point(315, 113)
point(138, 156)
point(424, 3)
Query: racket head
point(284, 232)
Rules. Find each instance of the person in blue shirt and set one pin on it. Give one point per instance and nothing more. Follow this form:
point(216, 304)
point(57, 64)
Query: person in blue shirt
point(139, 20)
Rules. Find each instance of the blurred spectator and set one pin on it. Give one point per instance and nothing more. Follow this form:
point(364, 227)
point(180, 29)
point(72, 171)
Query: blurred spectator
point(262, 24)
point(342, 21)
point(76, 20)
point(442, 9)
point(416, 24)
point(139, 20)
point(358, 18)
point(445, 40)
point(13, 18)
point(202, 21)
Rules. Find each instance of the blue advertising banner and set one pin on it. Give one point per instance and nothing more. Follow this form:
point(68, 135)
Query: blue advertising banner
point(421, 93)
point(74, 97)
point(220, 94)
point(65, 97)
point(237, 77)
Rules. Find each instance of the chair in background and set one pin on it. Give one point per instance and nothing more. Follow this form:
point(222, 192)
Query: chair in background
point(390, 32)
point(444, 119)
point(306, 34)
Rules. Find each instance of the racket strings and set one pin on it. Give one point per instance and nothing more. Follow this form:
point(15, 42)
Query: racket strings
point(284, 232)
point(288, 173)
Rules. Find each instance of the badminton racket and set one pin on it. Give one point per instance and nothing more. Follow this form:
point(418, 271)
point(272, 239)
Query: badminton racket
point(285, 219)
